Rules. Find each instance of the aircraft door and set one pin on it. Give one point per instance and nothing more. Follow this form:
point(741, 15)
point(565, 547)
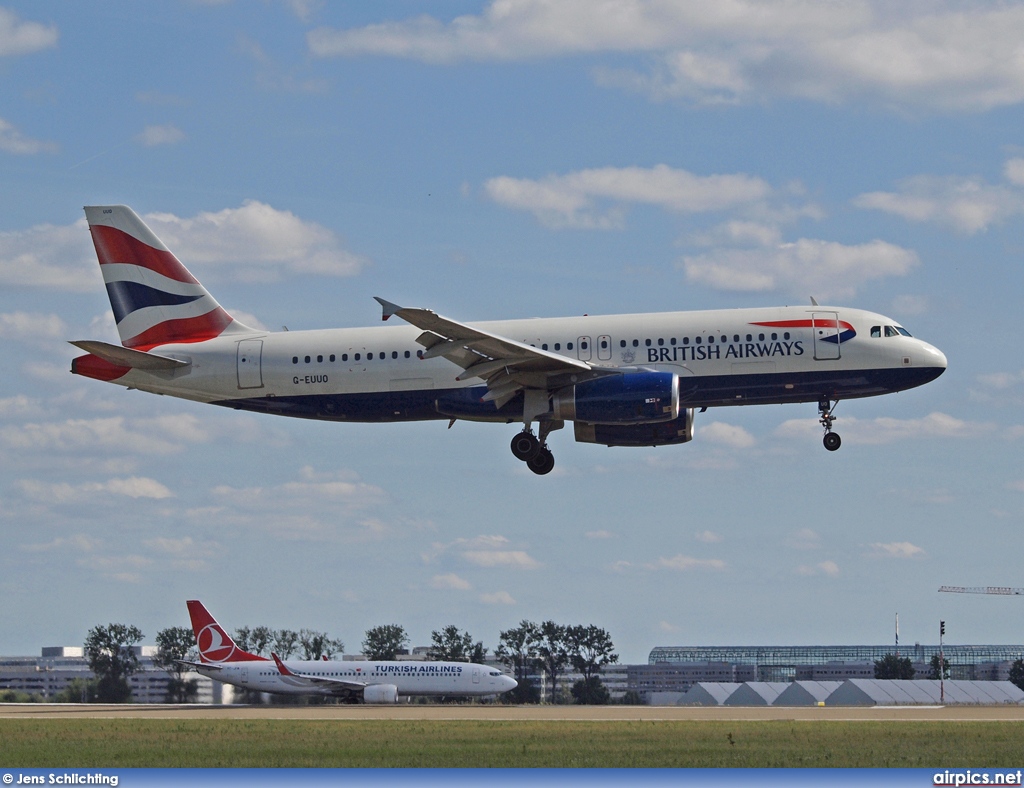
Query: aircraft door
point(476, 675)
point(604, 348)
point(583, 350)
point(245, 674)
point(250, 364)
point(826, 335)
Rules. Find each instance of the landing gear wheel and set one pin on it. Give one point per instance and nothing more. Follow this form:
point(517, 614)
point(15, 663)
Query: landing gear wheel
point(542, 463)
point(826, 410)
point(832, 441)
point(525, 446)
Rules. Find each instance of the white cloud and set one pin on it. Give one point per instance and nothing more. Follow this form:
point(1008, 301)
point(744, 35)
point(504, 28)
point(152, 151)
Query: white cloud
point(31, 325)
point(497, 598)
point(161, 435)
point(966, 205)
point(826, 268)
point(13, 141)
point(683, 563)
point(18, 406)
point(708, 537)
point(896, 550)
point(23, 38)
point(729, 435)
point(830, 568)
point(488, 551)
point(255, 242)
point(63, 492)
point(601, 534)
point(78, 543)
point(1013, 170)
point(1017, 485)
point(450, 582)
point(945, 56)
point(888, 430)
point(804, 539)
point(153, 136)
point(571, 201)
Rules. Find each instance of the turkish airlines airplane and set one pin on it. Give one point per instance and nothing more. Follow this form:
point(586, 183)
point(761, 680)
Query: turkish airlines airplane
point(370, 681)
point(622, 380)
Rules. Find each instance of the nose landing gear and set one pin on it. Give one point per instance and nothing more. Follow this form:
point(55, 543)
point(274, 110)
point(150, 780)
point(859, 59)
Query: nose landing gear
point(831, 441)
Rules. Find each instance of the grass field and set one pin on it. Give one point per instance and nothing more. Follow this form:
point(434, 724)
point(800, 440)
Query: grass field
point(397, 743)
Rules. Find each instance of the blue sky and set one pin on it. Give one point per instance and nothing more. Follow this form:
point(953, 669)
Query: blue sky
point(516, 159)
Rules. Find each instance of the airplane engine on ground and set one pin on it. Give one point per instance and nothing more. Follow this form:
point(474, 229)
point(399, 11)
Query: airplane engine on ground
point(630, 398)
point(662, 433)
point(380, 693)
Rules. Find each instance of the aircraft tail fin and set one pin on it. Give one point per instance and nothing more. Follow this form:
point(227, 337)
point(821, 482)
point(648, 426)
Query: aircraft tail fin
point(155, 299)
point(214, 643)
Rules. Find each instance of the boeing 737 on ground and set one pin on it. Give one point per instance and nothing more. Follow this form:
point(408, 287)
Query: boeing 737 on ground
point(623, 380)
point(370, 681)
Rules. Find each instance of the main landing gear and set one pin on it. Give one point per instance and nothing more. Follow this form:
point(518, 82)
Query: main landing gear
point(534, 451)
point(832, 441)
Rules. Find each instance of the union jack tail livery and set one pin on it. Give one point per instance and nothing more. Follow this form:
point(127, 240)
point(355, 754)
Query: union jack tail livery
point(155, 299)
point(214, 643)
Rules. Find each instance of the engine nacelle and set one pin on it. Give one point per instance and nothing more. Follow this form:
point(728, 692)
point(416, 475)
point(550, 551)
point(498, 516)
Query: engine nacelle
point(629, 398)
point(380, 693)
point(662, 433)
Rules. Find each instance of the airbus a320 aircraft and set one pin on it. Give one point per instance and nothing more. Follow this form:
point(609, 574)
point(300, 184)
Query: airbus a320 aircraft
point(370, 681)
point(622, 380)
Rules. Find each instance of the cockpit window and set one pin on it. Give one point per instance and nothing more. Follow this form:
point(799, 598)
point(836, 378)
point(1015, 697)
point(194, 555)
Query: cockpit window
point(876, 331)
point(890, 331)
point(903, 331)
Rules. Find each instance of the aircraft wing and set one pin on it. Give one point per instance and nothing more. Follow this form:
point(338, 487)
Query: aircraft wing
point(507, 366)
point(317, 681)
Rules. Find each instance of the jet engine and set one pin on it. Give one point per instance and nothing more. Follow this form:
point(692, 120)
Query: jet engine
point(380, 693)
point(662, 433)
point(630, 398)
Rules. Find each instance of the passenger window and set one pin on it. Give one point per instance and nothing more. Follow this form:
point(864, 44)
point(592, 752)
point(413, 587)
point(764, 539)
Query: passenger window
point(307, 359)
point(544, 346)
point(558, 346)
point(295, 359)
point(750, 337)
point(319, 359)
point(672, 341)
point(876, 331)
point(760, 337)
point(686, 340)
point(356, 357)
point(407, 354)
point(660, 341)
point(735, 337)
point(622, 343)
point(332, 358)
point(711, 340)
point(394, 354)
point(344, 356)
point(774, 337)
point(696, 340)
point(568, 345)
point(636, 343)
point(604, 344)
point(647, 342)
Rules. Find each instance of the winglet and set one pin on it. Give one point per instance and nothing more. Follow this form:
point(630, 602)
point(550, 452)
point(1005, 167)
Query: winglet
point(813, 302)
point(389, 308)
point(280, 665)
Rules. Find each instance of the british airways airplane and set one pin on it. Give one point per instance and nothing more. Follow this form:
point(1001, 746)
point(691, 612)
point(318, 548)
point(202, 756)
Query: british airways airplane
point(622, 380)
point(369, 681)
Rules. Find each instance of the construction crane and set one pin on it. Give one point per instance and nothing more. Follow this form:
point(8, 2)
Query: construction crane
point(1003, 590)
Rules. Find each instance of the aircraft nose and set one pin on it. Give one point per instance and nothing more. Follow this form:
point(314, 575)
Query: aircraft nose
point(509, 682)
point(933, 357)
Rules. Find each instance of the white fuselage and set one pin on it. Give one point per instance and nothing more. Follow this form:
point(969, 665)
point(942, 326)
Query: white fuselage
point(722, 357)
point(411, 677)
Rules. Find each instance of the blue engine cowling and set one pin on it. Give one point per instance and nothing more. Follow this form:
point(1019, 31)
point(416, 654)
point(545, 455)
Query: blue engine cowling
point(629, 398)
point(662, 433)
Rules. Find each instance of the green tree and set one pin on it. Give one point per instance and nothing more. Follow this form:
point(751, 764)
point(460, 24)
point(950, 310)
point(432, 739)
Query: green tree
point(892, 667)
point(77, 691)
point(590, 648)
point(257, 640)
point(317, 645)
point(933, 668)
point(286, 641)
point(553, 652)
point(1017, 673)
point(384, 642)
point(590, 692)
point(517, 650)
point(174, 644)
point(113, 660)
point(452, 645)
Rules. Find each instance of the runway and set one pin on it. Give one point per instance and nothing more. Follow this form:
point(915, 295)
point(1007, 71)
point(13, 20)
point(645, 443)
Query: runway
point(511, 713)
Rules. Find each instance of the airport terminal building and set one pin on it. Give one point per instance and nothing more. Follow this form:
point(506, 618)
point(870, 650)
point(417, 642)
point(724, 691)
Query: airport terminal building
point(790, 663)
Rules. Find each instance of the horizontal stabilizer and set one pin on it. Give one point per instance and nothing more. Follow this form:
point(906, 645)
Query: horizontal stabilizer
point(126, 357)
